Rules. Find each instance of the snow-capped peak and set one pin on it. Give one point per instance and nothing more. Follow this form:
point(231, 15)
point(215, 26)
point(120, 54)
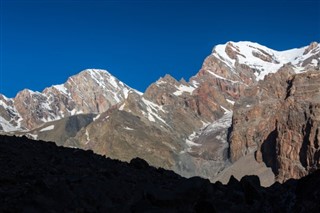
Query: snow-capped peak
point(263, 59)
point(90, 91)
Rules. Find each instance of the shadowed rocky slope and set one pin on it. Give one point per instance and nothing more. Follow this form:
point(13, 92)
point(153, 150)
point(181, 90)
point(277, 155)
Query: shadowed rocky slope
point(37, 176)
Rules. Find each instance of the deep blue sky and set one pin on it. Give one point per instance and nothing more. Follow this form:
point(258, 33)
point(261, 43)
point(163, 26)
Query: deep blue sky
point(43, 42)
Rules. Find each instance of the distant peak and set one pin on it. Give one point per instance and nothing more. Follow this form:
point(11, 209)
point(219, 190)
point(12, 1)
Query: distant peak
point(169, 78)
point(97, 71)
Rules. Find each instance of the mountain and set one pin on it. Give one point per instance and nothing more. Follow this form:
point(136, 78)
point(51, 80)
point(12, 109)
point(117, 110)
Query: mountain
point(36, 176)
point(183, 125)
point(90, 91)
point(189, 127)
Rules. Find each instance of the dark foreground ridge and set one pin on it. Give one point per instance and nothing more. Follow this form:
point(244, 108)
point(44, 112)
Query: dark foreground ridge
point(38, 176)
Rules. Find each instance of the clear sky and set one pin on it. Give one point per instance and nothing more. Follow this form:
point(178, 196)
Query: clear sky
point(43, 42)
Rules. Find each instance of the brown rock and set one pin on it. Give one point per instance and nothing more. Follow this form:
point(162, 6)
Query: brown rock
point(280, 121)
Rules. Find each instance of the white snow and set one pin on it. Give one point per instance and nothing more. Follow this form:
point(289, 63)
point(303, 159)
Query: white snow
point(51, 127)
point(183, 88)
point(217, 126)
point(32, 92)
point(113, 82)
point(160, 82)
point(190, 143)
point(229, 101)
point(33, 136)
point(220, 77)
point(6, 126)
point(152, 105)
point(95, 118)
point(75, 112)
point(61, 88)
point(87, 137)
point(221, 53)
point(226, 111)
point(153, 111)
point(195, 84)
point(106, 118)
point(139, 93)
point(151, 118)
point(314, 62)
point(189, 140)
point(2, 103)
point(125, 91)
point(105, 80)
point(128, 128)
point(122, 107)
point(223, 122)
point(245, 56)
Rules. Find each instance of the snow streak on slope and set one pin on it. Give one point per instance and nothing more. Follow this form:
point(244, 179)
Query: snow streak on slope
point(217, 129)
point(183, 88)
point(152, 111)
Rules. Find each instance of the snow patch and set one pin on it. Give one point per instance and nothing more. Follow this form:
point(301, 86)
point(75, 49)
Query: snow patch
point(32, 136)
point(220, 77)
point(223, 122)
point(61, 88)
point(314, 62)
point(128, 128)
point(51, 127)
point(226, 111)
point(221, 54)
point(217, 126)
point(113, 82)
point(75, 112)
point(190, 143)
point(122, 107)
point(87, 137)
point(97, 117)
point(160, 82)
point(183, 88)
point(229, 101)
point(153, 111)
point(7, 126)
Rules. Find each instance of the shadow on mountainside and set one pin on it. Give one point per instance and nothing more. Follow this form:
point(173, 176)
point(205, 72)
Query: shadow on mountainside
point(38, 176)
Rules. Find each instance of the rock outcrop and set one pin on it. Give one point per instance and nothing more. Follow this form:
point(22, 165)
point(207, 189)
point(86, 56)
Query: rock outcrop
point(279, 120)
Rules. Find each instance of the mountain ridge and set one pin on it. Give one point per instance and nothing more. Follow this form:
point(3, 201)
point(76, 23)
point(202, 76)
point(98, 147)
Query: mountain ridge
point(178, 125)
point(31, 109)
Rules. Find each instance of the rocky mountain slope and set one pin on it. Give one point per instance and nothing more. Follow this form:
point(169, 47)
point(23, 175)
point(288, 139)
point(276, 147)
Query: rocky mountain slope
point(178, 125)
point(279, 119)
point(183, 125)
point(36, 176)
point(90, 91)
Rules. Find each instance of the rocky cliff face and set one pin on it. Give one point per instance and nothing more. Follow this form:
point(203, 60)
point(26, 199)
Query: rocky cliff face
point(91, 91)
point(279, 120)
point(157, 126)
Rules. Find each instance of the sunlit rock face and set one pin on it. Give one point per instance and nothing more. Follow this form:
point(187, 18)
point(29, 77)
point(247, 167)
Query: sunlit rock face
point(278, 119)
point(90, 91)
